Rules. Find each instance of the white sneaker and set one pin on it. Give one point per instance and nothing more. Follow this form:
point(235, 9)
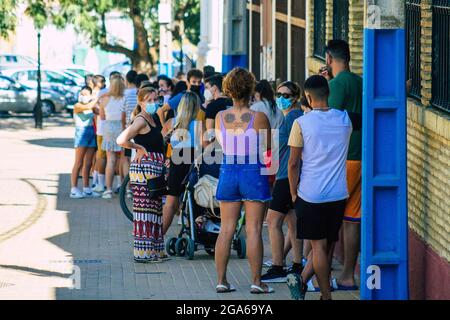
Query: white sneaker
point(107, 195)
point(88, 193)
point(75, 193)
point(99, 188)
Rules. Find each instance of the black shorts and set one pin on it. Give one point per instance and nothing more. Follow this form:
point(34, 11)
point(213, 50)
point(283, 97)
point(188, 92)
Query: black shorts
point(177, 174)
point(318, 221)
point(281, 197)
point(128, 153)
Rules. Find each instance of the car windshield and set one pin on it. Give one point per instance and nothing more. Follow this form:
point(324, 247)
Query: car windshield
point(56, 77)
point(80, 72)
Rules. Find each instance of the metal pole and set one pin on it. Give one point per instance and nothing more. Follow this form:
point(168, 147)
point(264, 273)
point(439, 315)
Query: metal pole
point(38, 108)
point(384, 249)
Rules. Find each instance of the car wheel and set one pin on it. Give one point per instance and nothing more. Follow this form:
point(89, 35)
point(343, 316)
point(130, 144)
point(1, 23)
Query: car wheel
point(47, 108)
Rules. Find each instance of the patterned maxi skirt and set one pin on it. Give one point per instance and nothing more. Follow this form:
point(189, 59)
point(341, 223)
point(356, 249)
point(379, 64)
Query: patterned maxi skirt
point(147, 213)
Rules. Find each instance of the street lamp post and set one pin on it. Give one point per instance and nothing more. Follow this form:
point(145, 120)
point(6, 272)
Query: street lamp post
point(38, 117)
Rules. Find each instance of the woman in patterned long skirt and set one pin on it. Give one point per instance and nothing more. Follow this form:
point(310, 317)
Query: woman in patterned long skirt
point(145, 130)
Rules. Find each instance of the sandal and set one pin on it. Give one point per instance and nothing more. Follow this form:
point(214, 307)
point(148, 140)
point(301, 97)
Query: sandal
point(221, 288)
point(254, 289)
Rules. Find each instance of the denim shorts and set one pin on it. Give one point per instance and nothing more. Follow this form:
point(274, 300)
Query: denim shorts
point(243, 182)
point(85, 137)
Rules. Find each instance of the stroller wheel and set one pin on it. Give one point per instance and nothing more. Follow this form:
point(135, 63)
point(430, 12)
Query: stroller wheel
point(190, 249)
point(180, 247)
point(241, 247)
point(170, 246)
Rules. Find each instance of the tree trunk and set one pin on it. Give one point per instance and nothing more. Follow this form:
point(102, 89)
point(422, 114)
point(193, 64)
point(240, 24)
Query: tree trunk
point(142, 60)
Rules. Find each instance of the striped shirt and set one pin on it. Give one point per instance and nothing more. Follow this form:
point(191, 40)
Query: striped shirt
point(130, 103)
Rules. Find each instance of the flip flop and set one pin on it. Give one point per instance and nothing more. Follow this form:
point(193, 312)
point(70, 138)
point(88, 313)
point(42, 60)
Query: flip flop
point(339, 287)
point(259, 290)
point(312, 288)
point(221, 288)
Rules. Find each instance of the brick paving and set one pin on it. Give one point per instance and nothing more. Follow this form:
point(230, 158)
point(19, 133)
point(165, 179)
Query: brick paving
point(44, 234)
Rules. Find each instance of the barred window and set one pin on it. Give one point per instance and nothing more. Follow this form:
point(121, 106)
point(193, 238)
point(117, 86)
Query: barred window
point(441, 54)
point(340, 20)
point(413, 47)
point(319, 28)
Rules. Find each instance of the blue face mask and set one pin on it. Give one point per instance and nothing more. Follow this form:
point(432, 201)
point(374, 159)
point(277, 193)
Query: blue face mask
point(284, 104)
point(151, 108)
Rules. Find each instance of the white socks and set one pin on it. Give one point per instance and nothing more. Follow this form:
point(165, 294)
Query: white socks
point(95, 177)
point(118, 181)
point(101, 179)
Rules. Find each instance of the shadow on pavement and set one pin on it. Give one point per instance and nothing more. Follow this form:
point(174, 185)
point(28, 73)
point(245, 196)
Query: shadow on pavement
point(21, 122)
point(99, 242)
point(53, 143)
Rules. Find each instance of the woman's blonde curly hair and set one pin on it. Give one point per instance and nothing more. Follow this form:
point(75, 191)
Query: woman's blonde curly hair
point(239, 84)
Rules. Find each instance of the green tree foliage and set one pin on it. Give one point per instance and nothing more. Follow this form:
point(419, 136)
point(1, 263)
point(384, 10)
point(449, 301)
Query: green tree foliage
point(89, 18)
point(7, 17)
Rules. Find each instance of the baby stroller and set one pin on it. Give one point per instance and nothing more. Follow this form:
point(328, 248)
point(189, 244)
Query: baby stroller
point(200, 226)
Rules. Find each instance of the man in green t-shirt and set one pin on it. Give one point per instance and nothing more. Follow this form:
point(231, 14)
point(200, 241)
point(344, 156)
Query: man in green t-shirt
point(346, 94)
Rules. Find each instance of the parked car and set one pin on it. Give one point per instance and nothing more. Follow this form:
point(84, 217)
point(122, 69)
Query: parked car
point(122, 67)
point(54, 80)
point(18, 98)
point(81, 71)
point(15, 60)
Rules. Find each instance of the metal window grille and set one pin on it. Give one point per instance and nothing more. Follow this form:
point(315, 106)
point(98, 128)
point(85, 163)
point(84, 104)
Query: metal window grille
point(441, 54)
point(413, 34)
point(319, 28)
point(340, 19)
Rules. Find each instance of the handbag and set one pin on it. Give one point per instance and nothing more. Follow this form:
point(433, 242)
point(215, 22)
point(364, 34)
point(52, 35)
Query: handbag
point(157, 187)
point(205, 193)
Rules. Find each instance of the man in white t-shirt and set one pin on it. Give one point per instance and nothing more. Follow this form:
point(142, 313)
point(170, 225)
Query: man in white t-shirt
point(321, 140)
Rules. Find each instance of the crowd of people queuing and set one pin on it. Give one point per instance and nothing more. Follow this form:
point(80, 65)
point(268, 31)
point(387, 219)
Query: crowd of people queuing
point(316, 189)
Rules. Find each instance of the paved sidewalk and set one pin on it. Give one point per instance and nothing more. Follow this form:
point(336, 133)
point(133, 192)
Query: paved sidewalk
point(45, 236)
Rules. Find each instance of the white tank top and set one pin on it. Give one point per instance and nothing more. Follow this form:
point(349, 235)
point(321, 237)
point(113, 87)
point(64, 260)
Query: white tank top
point(113, 109)
point(326, 137)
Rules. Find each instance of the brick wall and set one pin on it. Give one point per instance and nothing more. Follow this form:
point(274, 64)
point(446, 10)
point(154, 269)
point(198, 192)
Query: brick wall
point(356, 26)
point(428, 176)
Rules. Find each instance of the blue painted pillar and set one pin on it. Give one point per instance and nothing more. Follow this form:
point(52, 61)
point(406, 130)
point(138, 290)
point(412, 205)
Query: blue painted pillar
point(235, 51)
point(384, 254)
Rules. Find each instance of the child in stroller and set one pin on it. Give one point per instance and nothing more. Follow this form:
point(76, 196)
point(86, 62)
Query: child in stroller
point(200, 226)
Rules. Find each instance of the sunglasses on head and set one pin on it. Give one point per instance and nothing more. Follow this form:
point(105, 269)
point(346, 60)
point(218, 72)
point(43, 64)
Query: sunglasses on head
point(284, 95)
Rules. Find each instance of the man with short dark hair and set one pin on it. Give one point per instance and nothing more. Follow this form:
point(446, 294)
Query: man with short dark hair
point(208, 71)
point(320, 139)
point(346, 94)
point(218, 101)
point(194, 82)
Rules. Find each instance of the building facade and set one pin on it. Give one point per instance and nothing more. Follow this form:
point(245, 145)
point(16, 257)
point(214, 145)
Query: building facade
point(276, 39)
point(428, 56)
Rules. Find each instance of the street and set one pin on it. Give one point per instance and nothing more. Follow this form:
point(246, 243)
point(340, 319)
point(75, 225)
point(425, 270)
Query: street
point(50, 243)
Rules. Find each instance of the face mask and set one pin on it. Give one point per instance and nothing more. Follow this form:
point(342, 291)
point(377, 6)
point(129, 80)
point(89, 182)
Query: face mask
point(208, 95)
point(151, 108)
point(196, 89)
point(85, 99)
point(284, 104)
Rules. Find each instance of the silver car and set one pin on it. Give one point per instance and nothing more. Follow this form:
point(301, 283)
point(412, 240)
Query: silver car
point(18, 98)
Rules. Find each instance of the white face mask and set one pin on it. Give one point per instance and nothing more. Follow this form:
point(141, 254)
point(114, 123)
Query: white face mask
point(208, 95)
